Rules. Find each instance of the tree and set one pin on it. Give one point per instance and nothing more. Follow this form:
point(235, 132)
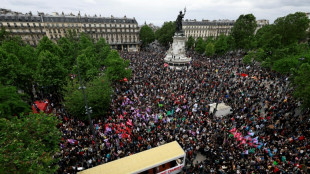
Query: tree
point(284, 66)
point(301, 82)
point(190, 43)
point(200, 45)
point(11, 102)
point(28, 144)
point(9, 67)
point(243, 31)
point(221, 45)
point(117, 68)
point(102, 49)
point(292, 27)
point(98, 93)
point(45, 44)
point(247, 59)
point(146, 35)
point(165, 33)
point(88, 66)
point(210, 50)
point(51, 73)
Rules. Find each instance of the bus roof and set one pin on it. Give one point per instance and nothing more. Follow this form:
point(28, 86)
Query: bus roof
point(141, 161)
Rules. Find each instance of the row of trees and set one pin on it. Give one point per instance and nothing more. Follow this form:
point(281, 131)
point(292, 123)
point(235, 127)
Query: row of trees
point(29, 141)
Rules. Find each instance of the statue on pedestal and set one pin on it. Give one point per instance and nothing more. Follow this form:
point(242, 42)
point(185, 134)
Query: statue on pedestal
point(179, 21)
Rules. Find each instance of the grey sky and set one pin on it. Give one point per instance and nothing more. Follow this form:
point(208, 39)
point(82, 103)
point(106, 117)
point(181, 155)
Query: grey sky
point(159, 11)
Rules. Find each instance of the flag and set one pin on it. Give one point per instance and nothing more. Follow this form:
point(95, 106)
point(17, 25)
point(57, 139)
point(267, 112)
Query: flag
point(233, 130)
point(166, 65)
point(251, 133)
point(252, 150)
point(244, 75)
point(71, 141)
point(125, 79)
point(129, 122)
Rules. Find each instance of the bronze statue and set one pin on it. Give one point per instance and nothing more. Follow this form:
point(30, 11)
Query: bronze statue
point(179, 21)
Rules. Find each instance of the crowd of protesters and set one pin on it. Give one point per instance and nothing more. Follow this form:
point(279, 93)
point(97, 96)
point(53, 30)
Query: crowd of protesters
point(265, 133)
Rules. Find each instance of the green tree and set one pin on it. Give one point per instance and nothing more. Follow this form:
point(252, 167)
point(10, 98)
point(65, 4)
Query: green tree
point(221, 45)
point(210, 49)
point(165, 33)
point(190, 42)
point(301, 82)
point(98, 93)
point(51, 73)
point(11, 102)
point(284, 66)
point(146, 35)
point(21, 66)
point(69, 49)
point(28, 144)
point(9, 68)
point(88, 66)
point(117, 68)
point(292, 27)
point(102, 50)
point(247, 59)
point(200, 45)
point(45, 44)
point(243, 31)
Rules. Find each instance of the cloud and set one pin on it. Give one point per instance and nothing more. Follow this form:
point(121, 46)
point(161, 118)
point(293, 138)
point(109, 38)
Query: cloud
point(159, 11)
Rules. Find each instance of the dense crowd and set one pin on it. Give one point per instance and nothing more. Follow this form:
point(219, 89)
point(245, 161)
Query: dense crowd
point(266, 132)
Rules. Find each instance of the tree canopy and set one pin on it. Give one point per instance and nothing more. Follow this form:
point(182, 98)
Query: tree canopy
point(146, 35)
point(243, 31)
point(29, 143)
point(165, 34)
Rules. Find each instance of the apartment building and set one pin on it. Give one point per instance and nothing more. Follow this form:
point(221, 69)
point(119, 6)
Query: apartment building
point(215, 28)
point(120, 33)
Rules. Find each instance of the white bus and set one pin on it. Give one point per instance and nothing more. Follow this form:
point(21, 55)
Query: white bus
point(165, 159)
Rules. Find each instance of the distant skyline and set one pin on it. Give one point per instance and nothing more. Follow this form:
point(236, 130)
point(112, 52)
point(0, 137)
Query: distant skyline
point(159, 11)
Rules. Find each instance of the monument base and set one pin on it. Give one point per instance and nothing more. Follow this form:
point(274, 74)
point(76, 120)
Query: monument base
point(176, 57)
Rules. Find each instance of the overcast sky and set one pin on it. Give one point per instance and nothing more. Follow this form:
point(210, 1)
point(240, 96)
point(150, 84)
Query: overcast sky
point(159, 11)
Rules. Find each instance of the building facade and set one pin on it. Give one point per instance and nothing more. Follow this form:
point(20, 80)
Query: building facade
point(120, 33)
point(206, 28)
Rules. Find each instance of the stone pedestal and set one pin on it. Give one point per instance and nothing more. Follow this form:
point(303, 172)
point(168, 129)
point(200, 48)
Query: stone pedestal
point(175, 56)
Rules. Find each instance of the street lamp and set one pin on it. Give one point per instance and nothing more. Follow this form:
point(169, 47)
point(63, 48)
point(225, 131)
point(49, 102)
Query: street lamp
point(88, 109)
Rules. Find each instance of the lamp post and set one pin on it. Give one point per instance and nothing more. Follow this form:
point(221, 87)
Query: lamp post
point(88, 109)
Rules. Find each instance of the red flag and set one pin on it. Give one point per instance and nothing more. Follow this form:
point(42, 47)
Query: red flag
point(244, 75)
point(129, 122)
point(125, 79)
point(166, 65)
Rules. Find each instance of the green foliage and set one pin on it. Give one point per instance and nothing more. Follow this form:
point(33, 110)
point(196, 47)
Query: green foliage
point(284, 66)
point(292, 27)
point(85, 41)
point(165, 33)
point(117, 68)
point(301, 83)
point(190, 42)
point(51, 73)
point(221, 45)
point(102, 49)
point(9, 68)
point(146, 35)
point(247, 59)
point(11, 102)
point(98, 93)
point(45, 44)
point(29, 143)
point(87, 67)
point(210, 49)
point(243, 31)
point(200, 45)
